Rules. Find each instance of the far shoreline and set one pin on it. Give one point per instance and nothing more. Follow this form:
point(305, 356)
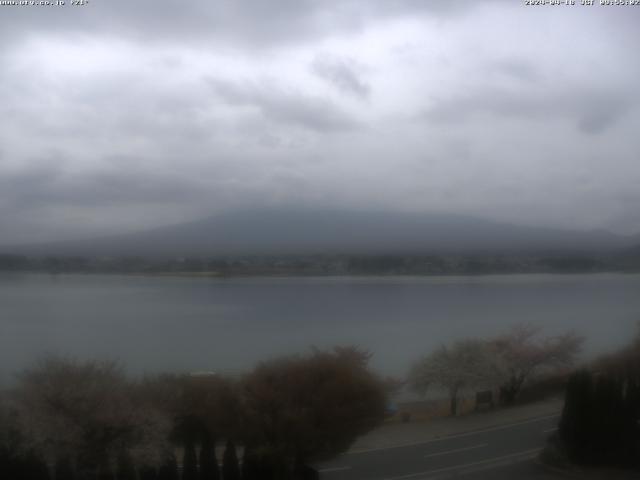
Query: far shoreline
point(222, 276)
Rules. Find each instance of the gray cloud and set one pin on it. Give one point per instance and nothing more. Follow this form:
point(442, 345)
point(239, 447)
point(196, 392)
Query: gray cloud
point(47, 185)
point(341, 73)
point(592, 112)
point(123, 115)
point(517, 68)
point(288, 107)
point(250, 22)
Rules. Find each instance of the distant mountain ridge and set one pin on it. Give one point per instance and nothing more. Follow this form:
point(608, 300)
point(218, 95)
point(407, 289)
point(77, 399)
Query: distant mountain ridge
point(321, 231)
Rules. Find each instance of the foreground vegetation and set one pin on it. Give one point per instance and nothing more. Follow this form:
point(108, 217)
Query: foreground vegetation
point(75, 420)
point(600, 423)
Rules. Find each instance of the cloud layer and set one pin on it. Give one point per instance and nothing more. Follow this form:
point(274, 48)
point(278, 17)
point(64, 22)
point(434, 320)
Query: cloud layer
point(126, 115)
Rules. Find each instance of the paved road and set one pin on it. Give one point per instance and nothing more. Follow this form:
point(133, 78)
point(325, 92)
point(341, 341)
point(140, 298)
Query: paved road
point(499, 452)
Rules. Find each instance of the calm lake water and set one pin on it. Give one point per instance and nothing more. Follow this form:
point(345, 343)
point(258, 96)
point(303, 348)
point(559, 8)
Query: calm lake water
point(186, 324)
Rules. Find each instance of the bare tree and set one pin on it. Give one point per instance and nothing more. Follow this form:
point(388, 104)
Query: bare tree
point(300, 409)
point(523, 353)
point(465, 364)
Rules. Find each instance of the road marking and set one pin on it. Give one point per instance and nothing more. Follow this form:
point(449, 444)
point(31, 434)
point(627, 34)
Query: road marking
point(457, 435)
point(524, 454)
point(549, 430)
point(333, 469)
point(464, 449)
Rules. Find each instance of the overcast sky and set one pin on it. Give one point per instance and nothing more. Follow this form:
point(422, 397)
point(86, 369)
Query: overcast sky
point(121, 115)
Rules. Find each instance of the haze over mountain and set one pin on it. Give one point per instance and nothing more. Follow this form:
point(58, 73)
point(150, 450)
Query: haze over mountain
point(322, 231)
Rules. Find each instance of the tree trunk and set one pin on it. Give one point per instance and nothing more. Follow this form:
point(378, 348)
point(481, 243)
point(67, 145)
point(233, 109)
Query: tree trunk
point(454, 402)
point(509, 391)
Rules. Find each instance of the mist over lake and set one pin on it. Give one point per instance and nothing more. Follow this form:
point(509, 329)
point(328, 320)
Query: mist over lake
point(151, 324)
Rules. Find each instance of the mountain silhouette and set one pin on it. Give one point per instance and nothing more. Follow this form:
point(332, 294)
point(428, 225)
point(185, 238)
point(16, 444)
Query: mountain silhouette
point(271, 231)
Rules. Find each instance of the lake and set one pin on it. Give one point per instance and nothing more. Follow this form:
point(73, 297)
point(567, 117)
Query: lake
point(227, 325)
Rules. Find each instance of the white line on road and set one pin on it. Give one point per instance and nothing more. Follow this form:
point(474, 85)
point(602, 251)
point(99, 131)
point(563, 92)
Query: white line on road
point(464, 449)
point(549, 430)
point(458, 435)
point(333, 469)
point(523, 455)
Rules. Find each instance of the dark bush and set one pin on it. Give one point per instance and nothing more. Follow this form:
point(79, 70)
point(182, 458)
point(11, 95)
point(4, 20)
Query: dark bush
point(169, 469)
point(63, 470)
point(208, 462)
point(230, 467)
point(190, 462)
point(125, 469)
point(599, 420)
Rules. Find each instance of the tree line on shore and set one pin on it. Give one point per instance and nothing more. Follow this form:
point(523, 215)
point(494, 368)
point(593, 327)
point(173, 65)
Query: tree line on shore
point(338, 264)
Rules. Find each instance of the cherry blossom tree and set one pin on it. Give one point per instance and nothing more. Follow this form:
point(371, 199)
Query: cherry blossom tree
point(87, 413)
point(523, 353)
point(465, 364)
